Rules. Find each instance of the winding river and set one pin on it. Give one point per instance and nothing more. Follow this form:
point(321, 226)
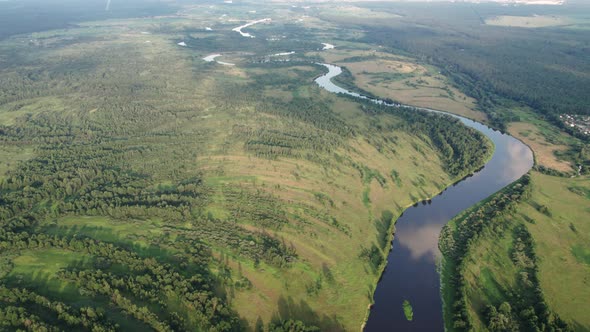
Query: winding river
point(411, 273)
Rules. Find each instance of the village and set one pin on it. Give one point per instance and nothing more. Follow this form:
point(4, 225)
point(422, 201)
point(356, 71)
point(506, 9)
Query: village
point(577, 122)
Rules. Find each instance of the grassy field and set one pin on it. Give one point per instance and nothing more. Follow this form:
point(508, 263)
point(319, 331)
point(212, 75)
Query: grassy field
point(402, 79)
point(549, 144)
point(41, 268)
point(268, 187)
point(555, 215)
point(562, 240)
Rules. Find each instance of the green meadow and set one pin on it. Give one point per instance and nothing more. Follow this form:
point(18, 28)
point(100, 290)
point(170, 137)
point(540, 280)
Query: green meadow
point(500, 267)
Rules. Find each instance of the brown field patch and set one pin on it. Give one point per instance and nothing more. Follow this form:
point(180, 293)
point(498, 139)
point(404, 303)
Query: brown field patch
point(403, 79)
point(412, 84)
point(544, 151)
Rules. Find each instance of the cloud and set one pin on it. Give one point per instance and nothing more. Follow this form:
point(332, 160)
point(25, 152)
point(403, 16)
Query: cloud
point(421, 241)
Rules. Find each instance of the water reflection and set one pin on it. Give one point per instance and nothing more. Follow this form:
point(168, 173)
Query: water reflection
point(421, 241)
point(519, 156)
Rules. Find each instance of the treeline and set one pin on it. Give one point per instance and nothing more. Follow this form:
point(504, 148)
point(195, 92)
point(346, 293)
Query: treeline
point(258, 246)
point(268, 212)
point(462, 149)
point(527, 310)
point(291, 326)
point(346, 80)
point(22, 308)
point(308, 129)
point(142, 279)
point(310, 111)
point(92, 179)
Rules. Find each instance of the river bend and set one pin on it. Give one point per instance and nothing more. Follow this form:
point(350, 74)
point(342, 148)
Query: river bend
point(411, 272)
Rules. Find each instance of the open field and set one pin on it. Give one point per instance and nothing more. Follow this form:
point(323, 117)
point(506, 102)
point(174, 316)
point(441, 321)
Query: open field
point(495, 272)
point(562, 237)
point(536, 21)
point(544, 151)
point(552, 147)
point(403, 79)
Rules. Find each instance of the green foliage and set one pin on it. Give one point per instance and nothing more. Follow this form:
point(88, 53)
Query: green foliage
point(291, 326)
point(459, 147)
point(15, 314)
point(584, 192)
point(582, 254)
point(395, 177)
point(324, 199)
point(373, 256)
point(526, 310)
point(143, 279)
point(366, 199)
point(347, 81)
point(408, 311)
point(368, 174)
point(384, 225)
point(544, 210)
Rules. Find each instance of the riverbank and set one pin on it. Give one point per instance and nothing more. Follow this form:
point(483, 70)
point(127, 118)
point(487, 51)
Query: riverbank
point(492, 135)
point(553, 218)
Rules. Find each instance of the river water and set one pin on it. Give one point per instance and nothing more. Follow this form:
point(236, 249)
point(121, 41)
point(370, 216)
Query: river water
point(411, 272)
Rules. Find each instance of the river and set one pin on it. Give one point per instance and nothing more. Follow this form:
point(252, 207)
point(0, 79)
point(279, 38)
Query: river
point(411, 272)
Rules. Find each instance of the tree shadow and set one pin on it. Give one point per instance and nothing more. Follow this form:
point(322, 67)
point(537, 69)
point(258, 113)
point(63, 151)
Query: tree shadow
point(383, 226)
point(289, 309)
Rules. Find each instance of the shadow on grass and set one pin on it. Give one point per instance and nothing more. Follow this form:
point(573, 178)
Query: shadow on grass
point(130, 242)
point(289, 309)
point(383, 226)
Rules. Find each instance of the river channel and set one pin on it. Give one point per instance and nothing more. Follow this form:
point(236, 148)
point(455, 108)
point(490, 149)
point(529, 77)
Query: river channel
point(411, 272)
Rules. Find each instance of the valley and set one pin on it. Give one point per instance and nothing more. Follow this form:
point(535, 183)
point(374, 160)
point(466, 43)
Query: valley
point(177, 167)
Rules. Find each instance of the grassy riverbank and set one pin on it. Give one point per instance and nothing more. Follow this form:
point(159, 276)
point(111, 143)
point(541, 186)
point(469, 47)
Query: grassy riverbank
point(502, 267)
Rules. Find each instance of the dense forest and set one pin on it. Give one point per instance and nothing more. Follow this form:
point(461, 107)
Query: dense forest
point(542, 68)
point(36, 15)
point(457, 151)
